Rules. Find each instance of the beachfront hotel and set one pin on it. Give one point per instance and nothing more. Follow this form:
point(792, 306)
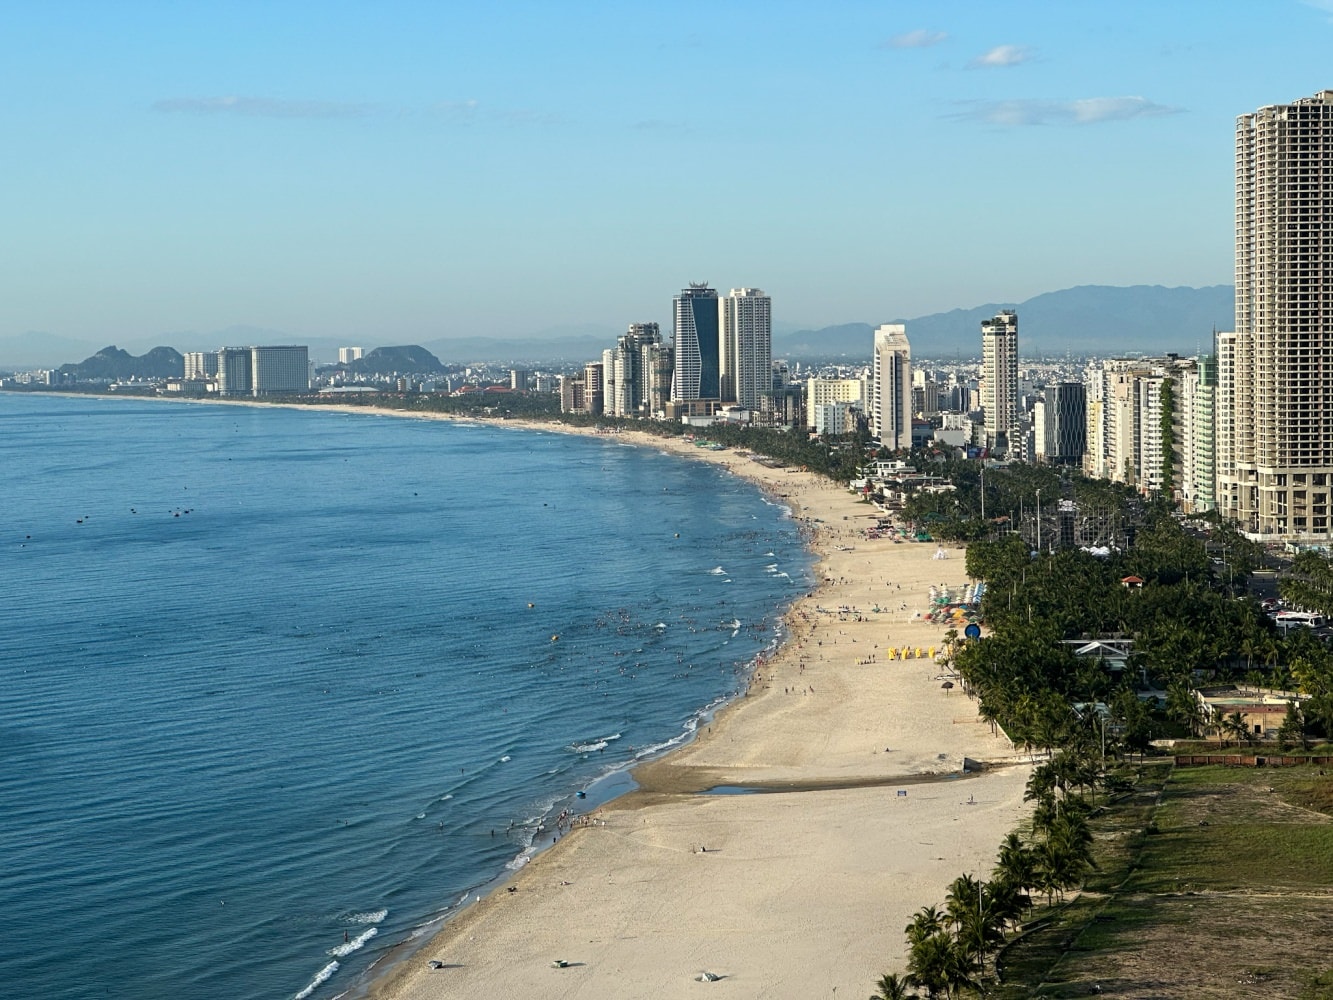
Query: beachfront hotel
point(628, 371)
point(891, 391)
point(263, 371)
point(1275, 389)
point(746, 361)
point(999, 373)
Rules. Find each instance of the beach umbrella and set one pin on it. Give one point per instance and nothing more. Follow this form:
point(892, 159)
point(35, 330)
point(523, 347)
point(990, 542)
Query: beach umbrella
point(948, 686)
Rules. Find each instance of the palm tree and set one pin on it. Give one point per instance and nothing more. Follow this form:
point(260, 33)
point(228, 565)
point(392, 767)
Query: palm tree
point(940, 965)
point(1249, 646)
point(890, 987)
point(1183, 706)
point(926, 922)
point(1236, 727)
point(929, 962)
point(1016, 865)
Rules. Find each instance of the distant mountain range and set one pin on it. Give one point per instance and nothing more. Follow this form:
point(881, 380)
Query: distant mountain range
point(1089, 319)
point(113, 363)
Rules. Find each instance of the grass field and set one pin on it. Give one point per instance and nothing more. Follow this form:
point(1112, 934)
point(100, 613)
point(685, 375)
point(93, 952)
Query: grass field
point(1213, 882)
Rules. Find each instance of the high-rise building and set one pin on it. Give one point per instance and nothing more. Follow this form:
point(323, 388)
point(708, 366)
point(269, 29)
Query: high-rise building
point(746, 356)
point(279, 371)
point(263, 371)
point(1061, 427)
point(234, 372)
point(1275, 392)
point(571, 394)
point(925, 395)
point(346, 355)
point(999, 372)
point(696, 344)
point(593, 400)
point(658, 360)
point(891, 394)
point(627, 368)
point(200, 365)
point(1196, 437)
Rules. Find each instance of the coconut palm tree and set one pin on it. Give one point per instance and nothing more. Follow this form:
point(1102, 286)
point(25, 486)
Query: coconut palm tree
point(1016, 865)
point(926, 922)
point(890, 987)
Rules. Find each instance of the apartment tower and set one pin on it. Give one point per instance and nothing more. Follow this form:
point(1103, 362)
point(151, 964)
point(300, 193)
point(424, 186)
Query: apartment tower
point(1275, 386)
point(891, 403)
point(746, 363)
point(999, 373)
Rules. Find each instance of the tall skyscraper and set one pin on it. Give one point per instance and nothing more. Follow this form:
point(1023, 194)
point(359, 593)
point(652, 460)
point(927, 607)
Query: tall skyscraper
point(1275, 392)
point(999, 372)
point(746, 362)
point(696, 344)
point(626, 370)
point(891, 404)
point(346, 355)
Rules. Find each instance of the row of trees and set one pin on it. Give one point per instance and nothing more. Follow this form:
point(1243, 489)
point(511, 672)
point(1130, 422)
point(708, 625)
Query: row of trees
point(948, 949)
point(1184, 622)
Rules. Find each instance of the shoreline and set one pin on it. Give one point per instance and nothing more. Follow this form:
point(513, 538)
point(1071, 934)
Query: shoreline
point(504, 943)
point(841, 821)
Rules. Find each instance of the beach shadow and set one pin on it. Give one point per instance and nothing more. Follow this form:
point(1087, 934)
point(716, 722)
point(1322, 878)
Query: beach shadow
point(446, 965)
point(568, 965)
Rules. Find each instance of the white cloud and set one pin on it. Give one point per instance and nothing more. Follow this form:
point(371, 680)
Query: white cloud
point(262, 107)
point(1087, 111)
point(919, 39)
point(1003, 55)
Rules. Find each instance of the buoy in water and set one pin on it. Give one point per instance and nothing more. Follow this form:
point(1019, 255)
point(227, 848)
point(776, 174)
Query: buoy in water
point(531, 605)
point(554, 638)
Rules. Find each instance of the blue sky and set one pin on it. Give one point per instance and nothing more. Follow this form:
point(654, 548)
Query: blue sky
point(397, 172)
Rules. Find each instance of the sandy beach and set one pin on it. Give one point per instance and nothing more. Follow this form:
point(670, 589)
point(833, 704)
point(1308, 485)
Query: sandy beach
point(853, 810)
point(855, 814)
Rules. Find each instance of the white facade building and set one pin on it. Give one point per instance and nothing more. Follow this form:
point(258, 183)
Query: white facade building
point(820, 392)
point(276, 371)
point(746, 362)
point(999, 374)
point(201, 365)
point(891, 402)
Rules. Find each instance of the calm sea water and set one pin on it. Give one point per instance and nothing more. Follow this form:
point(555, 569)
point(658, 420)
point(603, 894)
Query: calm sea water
point(279, 688)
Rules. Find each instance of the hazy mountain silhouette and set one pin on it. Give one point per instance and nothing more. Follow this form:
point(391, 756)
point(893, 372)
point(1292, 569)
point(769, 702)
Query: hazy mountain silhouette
point(385, 360)
point(113, 363)
point(1089, 319)
point(1099, 319)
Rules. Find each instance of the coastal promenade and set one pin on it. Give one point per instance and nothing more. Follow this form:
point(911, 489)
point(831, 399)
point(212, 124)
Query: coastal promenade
point(844, 808)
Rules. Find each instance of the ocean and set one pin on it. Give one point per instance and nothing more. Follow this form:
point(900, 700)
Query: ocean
point(282, 688)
